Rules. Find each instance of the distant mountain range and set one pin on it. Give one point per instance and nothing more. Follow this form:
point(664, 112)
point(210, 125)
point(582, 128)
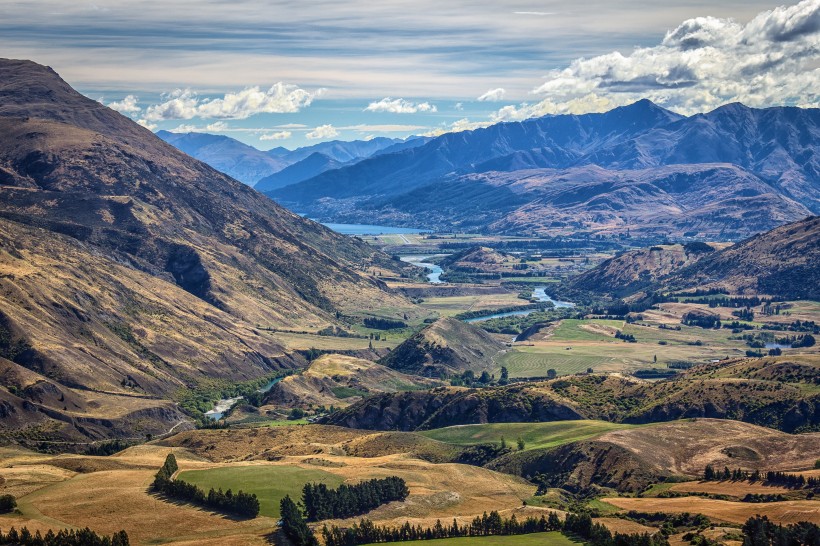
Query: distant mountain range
point(250, 165)
point(725, 174)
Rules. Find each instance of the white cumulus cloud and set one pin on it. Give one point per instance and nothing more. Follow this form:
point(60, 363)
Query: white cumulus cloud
point(493, 95)
point(126, 106)
point(703, 63)
point(400, 106)
point(322, 131)
point(281, 135)
point(186, 104)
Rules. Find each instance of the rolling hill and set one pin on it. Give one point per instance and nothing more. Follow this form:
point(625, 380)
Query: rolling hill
point(725, 174)
point(448, 346)
point(776, 397)
point(782, 262)
point(130, 270)
point(337, 380)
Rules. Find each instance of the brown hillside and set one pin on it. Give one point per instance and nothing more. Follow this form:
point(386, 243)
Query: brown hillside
point(130, 268)
point(337, 380)
point(448, 346)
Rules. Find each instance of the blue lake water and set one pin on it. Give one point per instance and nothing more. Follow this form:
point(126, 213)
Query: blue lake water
point(367, 229)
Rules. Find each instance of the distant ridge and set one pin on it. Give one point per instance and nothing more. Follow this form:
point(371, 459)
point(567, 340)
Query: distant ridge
point(726, 174)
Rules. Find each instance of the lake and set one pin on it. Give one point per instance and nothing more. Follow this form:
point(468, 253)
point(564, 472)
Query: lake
point(368, 229)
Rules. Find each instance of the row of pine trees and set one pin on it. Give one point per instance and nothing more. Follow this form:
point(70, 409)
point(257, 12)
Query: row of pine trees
point(322, 502)
point(241, 504)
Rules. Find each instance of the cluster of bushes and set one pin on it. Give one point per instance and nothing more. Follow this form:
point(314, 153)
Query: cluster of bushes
point(7, 504)
point(240, 504)
point(744, 314)
point(763, 497)
point(781, 478)
point(492, 524)
point(760, 531)
point(701, 320)
point(64, 537)
point(805, 340)
point(383, 324)
point(322, 502)
point(108, 448)
point(629, 338)
point(796, 326)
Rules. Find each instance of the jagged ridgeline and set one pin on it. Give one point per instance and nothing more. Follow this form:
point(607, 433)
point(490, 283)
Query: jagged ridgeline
point(132, 270)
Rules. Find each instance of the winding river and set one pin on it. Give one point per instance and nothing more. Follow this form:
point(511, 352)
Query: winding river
point(539, 294)
point(225, 404)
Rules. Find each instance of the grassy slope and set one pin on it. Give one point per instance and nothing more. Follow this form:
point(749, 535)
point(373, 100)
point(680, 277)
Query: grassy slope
point(269, 483)
point(535, 435)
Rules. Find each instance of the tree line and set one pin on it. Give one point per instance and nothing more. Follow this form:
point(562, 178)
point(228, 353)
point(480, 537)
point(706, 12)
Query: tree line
point(383, 324)
point(774, 477)
point(366, 531)
point(241, 504)
point(322, 502)
point(63, 537)
point(491, 524)
point(760, 531)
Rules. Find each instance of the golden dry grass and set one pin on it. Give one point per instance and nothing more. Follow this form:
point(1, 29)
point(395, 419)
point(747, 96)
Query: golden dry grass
point(735, 489)
point(687, 446)
point(625, 526)
point(729, 511)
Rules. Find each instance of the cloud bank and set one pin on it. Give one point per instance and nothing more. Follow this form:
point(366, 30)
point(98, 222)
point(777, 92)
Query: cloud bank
point(703, 63)
point(185, 104)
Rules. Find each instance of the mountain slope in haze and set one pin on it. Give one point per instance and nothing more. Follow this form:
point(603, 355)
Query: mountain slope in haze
point(729, 173)
point(315, 163)
point(345, 151)
point(782, 262)
point(567, 138)
point(236, 159)
point(448, 346)
point(134, 270)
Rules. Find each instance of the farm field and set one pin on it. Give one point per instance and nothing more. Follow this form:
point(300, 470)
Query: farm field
point(575, 345)
point(535, 435)
point(542, 539)
point(453, 305)
point(269, 482)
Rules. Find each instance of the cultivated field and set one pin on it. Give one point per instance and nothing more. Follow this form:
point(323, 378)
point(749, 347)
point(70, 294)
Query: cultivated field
point(535, 435)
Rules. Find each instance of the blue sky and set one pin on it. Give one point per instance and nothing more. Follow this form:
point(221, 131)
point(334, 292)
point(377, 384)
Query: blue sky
point(271, 73)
